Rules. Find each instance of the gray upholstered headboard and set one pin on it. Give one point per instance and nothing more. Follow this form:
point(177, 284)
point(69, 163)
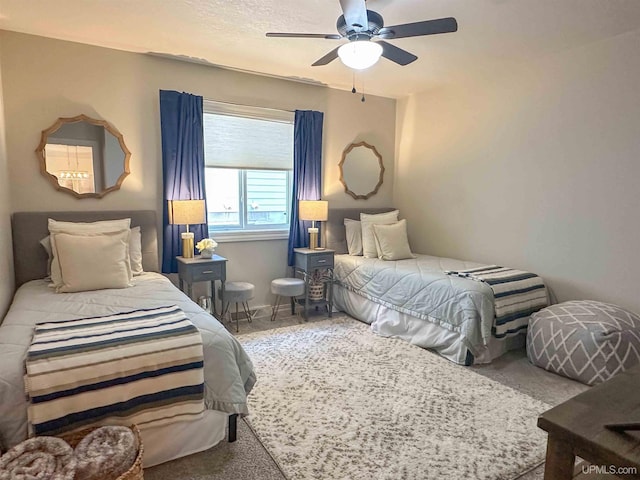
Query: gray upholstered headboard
point(335, 233)
point(28, 228)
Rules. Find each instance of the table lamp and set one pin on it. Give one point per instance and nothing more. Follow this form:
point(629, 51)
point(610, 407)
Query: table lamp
point(316, 211)
point(187, 212)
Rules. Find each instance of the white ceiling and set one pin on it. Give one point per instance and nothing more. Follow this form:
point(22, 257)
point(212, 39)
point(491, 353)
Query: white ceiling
point(231, 33)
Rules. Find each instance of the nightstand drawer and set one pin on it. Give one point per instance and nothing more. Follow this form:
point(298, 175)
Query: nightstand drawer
point(200, 273)
point(321, 261)
point(311, 262)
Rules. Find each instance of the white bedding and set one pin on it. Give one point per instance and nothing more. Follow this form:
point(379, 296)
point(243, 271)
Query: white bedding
point(228, 370)
point(419, 287)
point(388, 322)
point(419, 290)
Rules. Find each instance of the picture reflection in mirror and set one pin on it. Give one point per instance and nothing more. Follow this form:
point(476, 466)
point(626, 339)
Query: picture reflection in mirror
point(72, 165)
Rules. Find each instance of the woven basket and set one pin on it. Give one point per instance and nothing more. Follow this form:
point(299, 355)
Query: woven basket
point(134, 473)
point(316, 291)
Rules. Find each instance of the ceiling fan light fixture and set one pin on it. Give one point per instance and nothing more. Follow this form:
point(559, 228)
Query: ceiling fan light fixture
point(360, 54)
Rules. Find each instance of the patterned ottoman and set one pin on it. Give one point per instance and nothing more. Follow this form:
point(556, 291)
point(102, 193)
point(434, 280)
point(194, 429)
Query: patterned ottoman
point(585, 340)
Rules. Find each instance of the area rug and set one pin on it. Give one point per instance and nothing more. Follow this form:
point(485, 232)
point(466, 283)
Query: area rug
point(335, 401)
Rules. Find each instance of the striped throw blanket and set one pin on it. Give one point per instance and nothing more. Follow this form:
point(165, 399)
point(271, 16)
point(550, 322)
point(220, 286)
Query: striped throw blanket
point(517, 294)
point(143, 367)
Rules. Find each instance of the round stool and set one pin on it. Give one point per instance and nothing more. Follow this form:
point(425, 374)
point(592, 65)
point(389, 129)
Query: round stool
point(237, 292)
point(286, 287)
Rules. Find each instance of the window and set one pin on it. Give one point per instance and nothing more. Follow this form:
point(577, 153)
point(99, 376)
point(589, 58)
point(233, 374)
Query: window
point(248, 171)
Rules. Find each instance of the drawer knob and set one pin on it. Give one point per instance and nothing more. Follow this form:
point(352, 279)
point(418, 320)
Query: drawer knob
point(322, 261)
point(208, 271)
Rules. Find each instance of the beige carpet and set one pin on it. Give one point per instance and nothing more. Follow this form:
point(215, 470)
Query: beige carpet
point(335, 401)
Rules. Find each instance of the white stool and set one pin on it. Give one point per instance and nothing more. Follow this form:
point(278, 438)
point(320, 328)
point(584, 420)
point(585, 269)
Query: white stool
point(286, 287)
point(237, 292)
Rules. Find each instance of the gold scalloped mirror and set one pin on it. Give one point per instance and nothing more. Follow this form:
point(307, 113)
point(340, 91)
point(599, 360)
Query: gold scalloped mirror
point(361, 170)
point(84, 157)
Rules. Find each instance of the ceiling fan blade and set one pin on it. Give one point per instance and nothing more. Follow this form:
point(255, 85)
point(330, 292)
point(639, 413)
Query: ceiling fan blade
point(328, 36)
point(428, 27)
point(328, 58)
point(395, 54)
point(355, 14)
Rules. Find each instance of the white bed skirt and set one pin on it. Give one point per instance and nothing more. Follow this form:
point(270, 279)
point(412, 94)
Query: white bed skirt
point(387, 322)
point(168, 442)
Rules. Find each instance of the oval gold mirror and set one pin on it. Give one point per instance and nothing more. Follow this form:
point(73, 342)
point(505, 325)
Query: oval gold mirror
point(83, 156)
point(361, 170)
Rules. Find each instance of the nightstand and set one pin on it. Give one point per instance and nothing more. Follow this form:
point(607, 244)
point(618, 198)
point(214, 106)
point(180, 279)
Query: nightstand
point(199, 269)
point(306, 263)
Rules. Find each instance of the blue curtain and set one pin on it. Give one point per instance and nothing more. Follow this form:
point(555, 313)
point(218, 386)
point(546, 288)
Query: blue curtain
point(307, 172)
point(182, 165)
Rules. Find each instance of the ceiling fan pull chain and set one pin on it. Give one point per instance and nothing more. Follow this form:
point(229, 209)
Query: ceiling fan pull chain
point(353, 82)
point(363, 99)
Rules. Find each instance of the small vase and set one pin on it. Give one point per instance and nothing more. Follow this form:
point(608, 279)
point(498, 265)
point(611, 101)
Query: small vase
point(206, 253)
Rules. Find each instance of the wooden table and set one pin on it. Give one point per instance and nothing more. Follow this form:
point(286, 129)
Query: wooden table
point(577, 428)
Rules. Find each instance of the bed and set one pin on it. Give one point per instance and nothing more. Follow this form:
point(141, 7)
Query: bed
point(417, 301)
point(228, 372)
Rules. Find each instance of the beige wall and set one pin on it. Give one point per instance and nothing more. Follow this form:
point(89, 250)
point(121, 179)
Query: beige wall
point(45, 79)
point(534, 167)
point(6, 252)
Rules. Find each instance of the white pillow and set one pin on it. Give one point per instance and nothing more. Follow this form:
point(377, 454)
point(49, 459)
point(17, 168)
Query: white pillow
point(392, 242)
point(368, 221)
point(46, 244)
point(93, 262)
point(135, 251)
point(353, 230)
point(72, 228)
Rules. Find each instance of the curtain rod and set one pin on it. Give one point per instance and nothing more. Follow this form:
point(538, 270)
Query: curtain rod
point(249, 106)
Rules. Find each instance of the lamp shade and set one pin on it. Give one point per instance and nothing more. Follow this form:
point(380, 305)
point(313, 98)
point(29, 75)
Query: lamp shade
point(360, 54)
point(316, 210)
point(187, 212)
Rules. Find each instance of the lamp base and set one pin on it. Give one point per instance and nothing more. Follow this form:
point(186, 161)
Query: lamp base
point(313, 238)
point(187, 244)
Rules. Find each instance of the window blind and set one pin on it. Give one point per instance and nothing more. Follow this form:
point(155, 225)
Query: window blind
point(247, 137)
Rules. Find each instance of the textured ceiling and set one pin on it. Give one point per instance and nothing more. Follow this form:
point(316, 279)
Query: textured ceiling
point(230, 33)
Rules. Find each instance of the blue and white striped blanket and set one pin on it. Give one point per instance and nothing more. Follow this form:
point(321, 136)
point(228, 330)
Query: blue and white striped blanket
point(517, 294)
point(143, 367)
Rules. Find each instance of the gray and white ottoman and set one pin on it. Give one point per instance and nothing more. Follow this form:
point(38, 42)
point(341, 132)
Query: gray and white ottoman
point(585, 340)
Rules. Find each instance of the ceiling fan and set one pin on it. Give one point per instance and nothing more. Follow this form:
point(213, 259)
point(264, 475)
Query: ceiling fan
point(361, 26)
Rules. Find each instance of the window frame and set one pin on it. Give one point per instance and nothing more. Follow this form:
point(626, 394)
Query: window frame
point(281, 230)
point(245, 232)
